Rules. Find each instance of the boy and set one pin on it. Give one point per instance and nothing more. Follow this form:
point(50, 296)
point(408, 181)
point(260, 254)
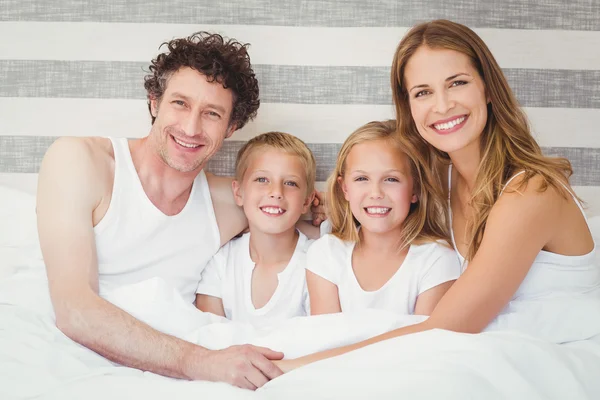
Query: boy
point(259, 278)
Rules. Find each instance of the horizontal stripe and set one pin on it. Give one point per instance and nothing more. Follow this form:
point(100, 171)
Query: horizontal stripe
point(28, 183)
point(24, 154)
point(517, 14)
point(314, 123)
point(281, 83)
point(284, 45)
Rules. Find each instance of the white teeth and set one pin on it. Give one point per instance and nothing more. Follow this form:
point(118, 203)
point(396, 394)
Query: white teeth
point(377, 210)
point(272, 210)
point(449, 125)
point(188, 145)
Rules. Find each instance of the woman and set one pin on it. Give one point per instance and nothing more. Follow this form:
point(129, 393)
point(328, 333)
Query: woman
point(511, 213)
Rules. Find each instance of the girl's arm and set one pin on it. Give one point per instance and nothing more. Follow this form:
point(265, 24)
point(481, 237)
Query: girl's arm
point(427, 300)
point(324, 297)
point(519, 226)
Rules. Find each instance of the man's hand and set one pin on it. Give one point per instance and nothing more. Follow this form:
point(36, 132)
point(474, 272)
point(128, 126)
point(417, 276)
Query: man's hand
point(246, 366)
point(318, 208)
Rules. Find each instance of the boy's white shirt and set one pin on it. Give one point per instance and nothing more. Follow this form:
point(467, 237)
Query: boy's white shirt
point(425, 267)
point(228, 276)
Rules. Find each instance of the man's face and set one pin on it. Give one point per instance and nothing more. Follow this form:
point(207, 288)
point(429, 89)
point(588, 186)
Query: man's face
point(192, 120)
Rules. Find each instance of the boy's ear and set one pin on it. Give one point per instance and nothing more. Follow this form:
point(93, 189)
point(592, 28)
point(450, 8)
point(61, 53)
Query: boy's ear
point(308, 202)
point(342, 184)
point(237, 193)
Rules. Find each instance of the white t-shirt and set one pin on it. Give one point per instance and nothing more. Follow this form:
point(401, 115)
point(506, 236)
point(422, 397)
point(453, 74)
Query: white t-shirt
point(228, 276)
point(424, 267)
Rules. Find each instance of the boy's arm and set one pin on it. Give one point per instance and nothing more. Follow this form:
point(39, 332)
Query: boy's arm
point(210, 304)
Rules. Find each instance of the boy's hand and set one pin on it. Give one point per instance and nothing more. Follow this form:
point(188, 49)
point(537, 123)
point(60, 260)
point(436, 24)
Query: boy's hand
point(318, 208)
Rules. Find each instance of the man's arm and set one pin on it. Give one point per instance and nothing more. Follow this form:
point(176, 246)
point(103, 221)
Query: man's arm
point(70, 189)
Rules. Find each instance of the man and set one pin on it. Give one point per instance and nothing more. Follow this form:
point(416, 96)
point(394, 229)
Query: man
point(112, 212)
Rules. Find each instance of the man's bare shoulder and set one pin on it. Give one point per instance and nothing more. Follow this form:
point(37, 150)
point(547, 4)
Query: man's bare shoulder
point(81, 166)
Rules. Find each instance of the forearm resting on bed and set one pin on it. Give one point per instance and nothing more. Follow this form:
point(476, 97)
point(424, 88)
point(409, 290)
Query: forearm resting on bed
point(109, 331)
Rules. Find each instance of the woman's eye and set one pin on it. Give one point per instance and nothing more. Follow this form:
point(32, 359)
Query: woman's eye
point(458, 83)
point(422, 93)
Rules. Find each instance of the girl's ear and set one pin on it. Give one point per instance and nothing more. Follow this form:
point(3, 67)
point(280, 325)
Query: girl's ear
point(414, 198)
point(343, 186)
point(237, 193)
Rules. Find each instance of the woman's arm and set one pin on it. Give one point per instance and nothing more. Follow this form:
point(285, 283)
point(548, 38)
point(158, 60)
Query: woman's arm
point(519, 226)
point(324, 297)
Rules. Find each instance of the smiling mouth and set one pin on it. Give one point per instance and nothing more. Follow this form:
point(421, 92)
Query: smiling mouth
point(275, 211)
point(185, 144)
point(450, 124)
point(378, 211)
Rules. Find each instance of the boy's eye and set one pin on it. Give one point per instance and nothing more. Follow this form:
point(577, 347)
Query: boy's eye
point(261, 179)
point(291, 183)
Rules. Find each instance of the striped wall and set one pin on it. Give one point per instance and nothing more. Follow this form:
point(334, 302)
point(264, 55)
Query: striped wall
point(76, 68)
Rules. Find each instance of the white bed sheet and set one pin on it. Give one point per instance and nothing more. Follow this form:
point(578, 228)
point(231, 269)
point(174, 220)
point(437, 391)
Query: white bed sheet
point(38, 361)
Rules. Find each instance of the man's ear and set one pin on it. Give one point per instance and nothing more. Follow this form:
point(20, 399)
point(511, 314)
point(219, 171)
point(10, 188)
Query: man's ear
point(154, 106)
point(237, 193)
point(230, 129)
point(308, 202)
point(343, 186)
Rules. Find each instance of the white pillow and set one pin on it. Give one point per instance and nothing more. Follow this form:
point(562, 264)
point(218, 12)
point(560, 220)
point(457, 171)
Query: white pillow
point(18, 229)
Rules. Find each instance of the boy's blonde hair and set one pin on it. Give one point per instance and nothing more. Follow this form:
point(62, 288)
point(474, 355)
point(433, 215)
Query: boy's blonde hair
point(279, 141)
point(423, 224)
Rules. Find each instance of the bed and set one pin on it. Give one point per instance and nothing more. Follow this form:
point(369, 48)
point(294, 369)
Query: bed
point(76, 69)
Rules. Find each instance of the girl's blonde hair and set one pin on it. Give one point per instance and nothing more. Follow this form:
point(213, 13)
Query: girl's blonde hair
point(424, 222)
point(507, 145)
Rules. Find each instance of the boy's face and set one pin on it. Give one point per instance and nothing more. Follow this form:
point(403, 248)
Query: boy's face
point(273, 191)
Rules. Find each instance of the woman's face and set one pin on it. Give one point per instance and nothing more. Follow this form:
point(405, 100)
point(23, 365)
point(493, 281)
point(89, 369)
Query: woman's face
point(447, 99)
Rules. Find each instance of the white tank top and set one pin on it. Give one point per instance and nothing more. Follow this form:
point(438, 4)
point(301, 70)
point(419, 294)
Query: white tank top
point(136, 241)
point(550, 274)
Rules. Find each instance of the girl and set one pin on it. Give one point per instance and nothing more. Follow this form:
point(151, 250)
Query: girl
point(383, 252)
point(513, 215)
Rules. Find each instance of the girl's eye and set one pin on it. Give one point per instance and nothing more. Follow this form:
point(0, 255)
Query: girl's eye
point(392, 179)
point(360, 179)
point(261, 179)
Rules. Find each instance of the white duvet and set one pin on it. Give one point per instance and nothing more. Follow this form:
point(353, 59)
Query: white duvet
point(549, 350)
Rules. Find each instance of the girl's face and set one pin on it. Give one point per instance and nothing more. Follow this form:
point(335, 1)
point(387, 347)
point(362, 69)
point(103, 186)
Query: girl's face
point(378, 185)
point(447, 98)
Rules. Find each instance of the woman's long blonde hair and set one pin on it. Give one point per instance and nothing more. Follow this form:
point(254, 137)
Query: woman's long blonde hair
point(424, 222)
point(507, 145)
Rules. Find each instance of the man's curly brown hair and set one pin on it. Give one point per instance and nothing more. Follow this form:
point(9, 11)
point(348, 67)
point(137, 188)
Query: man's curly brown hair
point(224, 61)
